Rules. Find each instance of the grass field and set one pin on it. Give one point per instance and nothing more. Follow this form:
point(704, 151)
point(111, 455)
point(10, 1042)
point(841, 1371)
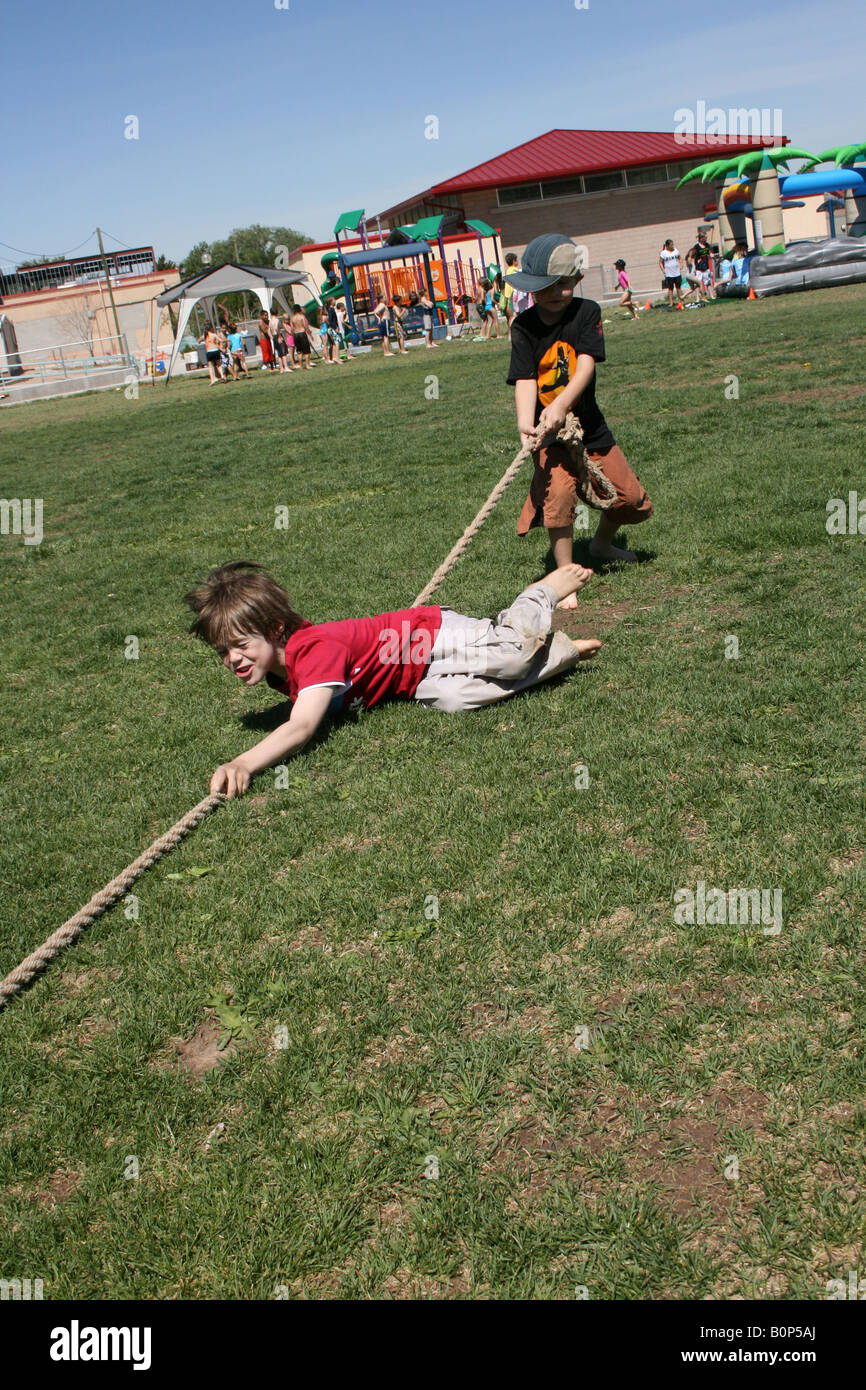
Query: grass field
point(613, 1100)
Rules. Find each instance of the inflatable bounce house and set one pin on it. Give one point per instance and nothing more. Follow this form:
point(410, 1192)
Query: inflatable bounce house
point(750, 189)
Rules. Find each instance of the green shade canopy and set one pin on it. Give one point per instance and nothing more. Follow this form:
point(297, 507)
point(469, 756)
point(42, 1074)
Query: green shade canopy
point(427, 227)
point(398, 235)
point(482, 228)
point(349, 221)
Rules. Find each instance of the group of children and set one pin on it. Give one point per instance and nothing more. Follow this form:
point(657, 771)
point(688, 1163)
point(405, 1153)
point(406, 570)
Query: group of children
point(680, 282)
point(392, 319)
point(286, 344)
point(224, 348)
point(439, 658)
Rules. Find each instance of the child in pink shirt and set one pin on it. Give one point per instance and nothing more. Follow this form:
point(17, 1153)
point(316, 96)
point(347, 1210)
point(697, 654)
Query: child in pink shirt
point(625, 286)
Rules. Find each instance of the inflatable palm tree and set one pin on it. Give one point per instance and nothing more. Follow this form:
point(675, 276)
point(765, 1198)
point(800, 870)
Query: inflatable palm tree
point(766, 197)
point(732, 225)
point(845, 157)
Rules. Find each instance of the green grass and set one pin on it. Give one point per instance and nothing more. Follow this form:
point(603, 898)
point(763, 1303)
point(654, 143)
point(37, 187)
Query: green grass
point(410, 1035)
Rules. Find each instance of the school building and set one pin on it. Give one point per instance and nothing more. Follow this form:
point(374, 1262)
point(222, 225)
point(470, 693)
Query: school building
point(612, 191)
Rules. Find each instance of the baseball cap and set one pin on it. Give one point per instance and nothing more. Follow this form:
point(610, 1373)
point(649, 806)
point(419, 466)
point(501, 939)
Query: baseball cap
point(546, 259)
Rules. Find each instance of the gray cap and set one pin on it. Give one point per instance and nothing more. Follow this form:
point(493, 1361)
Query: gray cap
point(546, 259)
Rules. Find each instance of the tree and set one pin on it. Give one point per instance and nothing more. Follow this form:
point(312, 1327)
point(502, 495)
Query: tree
point(255, 245)
point(762, 168)
point(39, 260)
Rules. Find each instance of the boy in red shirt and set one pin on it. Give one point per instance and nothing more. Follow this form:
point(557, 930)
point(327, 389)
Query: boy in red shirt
point(433, 655)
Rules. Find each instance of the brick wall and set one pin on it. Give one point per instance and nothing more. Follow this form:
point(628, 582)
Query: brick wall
point(631, 223)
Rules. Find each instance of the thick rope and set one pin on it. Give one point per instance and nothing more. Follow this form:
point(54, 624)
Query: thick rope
point(594, 488)
point(105, 898)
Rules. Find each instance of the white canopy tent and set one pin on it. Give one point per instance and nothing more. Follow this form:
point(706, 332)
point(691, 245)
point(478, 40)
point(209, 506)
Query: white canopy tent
point(230, 278)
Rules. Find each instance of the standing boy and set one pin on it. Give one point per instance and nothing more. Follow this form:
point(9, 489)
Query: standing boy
point(300, 333)
point(554, 348)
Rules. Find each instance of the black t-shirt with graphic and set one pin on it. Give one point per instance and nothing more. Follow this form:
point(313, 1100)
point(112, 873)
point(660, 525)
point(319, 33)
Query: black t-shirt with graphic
point(700, 254)
point(547, 353)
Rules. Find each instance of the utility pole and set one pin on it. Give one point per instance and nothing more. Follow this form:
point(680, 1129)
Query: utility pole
point(108, 282)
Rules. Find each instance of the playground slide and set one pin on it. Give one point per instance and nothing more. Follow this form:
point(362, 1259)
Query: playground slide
point(336, 291)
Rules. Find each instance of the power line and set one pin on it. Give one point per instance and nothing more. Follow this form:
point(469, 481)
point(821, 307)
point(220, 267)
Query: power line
point(22, 252)
point(49, 254)
point(82, 243)
point(122, 244)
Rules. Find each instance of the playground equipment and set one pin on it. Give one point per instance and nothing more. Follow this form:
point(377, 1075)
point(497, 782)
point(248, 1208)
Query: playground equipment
point(405, 262)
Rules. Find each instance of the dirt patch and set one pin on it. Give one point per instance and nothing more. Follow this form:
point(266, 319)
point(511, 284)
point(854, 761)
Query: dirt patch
point(200, 1054)
point(618, 920)
point(822, 393)
point(588, 620)
point(741, 1106)
point(847, 862)
point(310, 938)
point(60, 1187)
point(681, 1157)
point(404, 1284)
point(358, 842)
point(399, 1046)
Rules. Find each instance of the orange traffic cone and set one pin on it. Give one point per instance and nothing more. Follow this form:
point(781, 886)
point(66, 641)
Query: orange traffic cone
point(647, 305)
point(752, 294)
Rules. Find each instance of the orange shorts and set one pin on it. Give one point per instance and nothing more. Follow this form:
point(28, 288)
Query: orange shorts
point(553, 495)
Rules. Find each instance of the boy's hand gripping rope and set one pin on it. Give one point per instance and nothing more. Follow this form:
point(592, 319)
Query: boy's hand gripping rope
point(595, 489)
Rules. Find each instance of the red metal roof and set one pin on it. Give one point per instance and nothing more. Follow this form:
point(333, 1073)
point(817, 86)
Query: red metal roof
point(562, 152)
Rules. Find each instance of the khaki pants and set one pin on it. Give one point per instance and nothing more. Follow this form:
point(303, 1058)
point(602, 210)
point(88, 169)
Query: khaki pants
point(476, 661)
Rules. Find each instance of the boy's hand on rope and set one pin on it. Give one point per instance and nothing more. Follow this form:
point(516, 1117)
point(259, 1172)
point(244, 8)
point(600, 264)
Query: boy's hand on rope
point(232, 779)
point(552, 417)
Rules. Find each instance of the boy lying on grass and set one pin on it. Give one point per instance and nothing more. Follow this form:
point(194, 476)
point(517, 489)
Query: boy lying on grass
point(433, 655)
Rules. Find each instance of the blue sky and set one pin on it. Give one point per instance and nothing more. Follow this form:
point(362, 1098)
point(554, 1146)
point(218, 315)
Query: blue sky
point(249, 113)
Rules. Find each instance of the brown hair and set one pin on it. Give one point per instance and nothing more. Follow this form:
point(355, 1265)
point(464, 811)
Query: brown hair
point(237, 600)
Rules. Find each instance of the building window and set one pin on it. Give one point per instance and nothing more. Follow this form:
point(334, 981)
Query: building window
point(596, 183)
point(637, 178)
point(676, 171)
point(562, 188)
point(519, 193)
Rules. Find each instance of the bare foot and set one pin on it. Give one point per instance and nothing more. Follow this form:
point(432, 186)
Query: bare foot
point(587, 648)
point(565, 583)
point(612, 552)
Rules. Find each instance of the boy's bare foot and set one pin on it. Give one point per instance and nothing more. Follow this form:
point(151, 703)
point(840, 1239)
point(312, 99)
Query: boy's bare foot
point(565, 583)
point(612, 552)
point(587, 648)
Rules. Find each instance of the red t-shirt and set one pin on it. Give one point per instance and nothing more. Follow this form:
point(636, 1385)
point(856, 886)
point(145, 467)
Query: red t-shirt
point(366, 659)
